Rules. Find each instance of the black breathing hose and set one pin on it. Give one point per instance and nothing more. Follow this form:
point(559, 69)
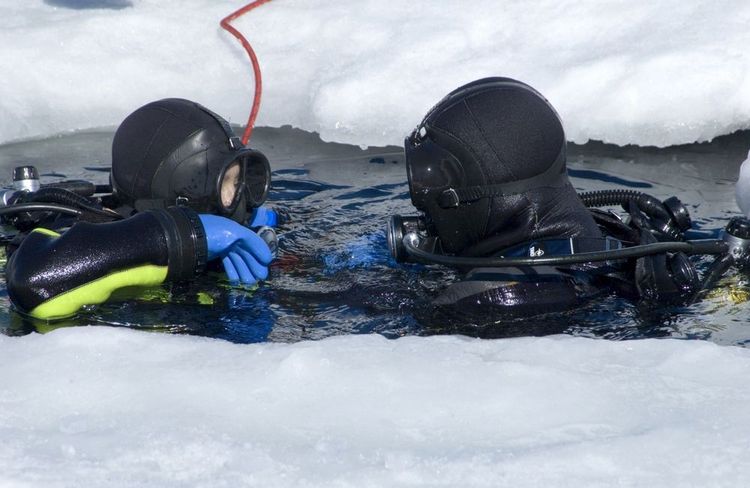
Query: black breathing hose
point(607, 198)
point(702, 246)
point(670, 217)
point(720, 266)
point(70, 199)
point(40, 207)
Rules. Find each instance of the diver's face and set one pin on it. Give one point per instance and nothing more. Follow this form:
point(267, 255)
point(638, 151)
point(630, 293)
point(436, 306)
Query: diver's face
point(231, 182)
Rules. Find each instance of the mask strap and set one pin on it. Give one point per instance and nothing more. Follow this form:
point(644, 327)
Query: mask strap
point(453, 197)
point(235, 143)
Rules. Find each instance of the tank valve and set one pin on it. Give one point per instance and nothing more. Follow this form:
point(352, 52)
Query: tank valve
point(737, 236)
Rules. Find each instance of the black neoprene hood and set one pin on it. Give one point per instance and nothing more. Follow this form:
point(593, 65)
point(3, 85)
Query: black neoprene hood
point(489, 159)
point(177, 152)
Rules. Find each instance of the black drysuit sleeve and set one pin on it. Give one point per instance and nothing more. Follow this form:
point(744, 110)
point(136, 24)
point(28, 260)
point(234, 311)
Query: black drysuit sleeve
point(53, 275)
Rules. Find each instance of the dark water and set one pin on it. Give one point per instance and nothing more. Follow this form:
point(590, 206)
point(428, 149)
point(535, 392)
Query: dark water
point(334, 274)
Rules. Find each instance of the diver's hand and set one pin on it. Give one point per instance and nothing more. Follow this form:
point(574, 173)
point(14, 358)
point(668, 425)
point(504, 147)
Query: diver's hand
point(263, 216)
point(243, 253)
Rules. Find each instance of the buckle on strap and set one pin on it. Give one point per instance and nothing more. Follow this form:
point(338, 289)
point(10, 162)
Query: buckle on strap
point(235, 143)
point(448, 198)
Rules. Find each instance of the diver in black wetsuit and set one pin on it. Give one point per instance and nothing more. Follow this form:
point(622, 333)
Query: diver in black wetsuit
point(185, 192)
point(487, 169)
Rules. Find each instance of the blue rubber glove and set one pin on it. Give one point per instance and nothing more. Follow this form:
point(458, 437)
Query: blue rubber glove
point(263, 216)
point(243, 253)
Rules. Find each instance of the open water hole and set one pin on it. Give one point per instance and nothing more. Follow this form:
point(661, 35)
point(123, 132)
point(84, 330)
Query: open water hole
point(334, 274)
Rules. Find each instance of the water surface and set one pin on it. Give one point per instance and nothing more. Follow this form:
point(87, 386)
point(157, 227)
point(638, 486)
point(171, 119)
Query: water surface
point(334, 274)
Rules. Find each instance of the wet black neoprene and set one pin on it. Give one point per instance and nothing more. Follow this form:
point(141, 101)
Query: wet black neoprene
point(53, 275)
point(487, 165)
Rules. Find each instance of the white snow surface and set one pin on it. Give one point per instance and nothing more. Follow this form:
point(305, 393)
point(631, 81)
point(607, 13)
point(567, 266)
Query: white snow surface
point(116, 407)
point(366, 71)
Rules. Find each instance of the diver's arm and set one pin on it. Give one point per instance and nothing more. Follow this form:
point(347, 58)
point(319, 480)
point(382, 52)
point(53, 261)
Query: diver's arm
point(52, 275)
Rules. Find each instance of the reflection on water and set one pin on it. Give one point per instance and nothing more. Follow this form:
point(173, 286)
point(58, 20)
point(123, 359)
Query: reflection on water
point(334, 274)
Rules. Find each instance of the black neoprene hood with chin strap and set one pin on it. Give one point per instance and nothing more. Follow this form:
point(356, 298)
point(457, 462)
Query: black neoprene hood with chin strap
point(487, 167)
point(177, 152)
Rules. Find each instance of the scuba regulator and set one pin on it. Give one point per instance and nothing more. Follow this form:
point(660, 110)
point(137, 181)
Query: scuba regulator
point(28, 203)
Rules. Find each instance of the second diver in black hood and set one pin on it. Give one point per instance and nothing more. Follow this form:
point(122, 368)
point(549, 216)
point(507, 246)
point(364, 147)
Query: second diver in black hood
point(487, 170)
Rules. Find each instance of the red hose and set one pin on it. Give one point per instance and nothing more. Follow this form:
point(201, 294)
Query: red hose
point(225, 23)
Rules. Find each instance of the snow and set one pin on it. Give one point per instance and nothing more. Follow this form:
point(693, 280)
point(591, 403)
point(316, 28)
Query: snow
point(113, 407)
point(117, 407)
point(366, 71)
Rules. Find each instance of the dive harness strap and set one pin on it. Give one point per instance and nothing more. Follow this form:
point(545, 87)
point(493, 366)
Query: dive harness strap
point(453, 197)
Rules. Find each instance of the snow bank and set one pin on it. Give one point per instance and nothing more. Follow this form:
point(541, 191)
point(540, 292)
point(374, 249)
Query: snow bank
point(366, 71)
point(113, 407)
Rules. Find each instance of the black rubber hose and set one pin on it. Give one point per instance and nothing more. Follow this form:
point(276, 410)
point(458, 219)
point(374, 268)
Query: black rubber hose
point(40, 207)
point(59, 195)
point(79, 187)
point(650, 205)
point(717, 269)
point(709, 246)
point(609, 198)
point(68, 198)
